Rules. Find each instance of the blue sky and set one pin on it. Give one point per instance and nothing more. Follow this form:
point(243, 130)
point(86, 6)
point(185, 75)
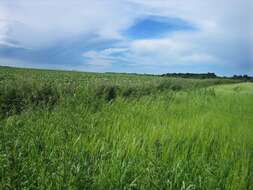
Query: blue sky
point(144, 36)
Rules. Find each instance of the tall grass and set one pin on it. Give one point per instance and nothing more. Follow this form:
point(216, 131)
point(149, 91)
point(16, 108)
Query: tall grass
point(129, 133)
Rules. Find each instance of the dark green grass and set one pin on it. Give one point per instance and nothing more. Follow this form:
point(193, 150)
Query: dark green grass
point(124, 132)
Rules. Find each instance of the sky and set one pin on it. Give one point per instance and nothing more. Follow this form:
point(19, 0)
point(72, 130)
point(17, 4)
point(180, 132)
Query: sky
point(136, 36)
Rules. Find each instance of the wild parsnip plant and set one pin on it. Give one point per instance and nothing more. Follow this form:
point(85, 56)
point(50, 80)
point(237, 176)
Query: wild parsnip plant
point(71, 130)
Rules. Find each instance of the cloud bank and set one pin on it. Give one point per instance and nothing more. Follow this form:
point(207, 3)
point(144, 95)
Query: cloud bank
point(152, 36)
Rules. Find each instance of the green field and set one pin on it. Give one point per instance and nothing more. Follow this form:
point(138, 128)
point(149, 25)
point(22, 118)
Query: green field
point(73, 130)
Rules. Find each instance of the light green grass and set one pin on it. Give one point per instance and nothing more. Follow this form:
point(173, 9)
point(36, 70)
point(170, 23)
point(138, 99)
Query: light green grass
point(236, 88)
point(198, 138)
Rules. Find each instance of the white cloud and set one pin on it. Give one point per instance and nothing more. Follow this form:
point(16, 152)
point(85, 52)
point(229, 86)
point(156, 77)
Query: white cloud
point(104, 57)
point(177, 49)
point(37, 23)
point(3, 24)
point(204, 58)
point(96, 59)
point(222, 29)
point(110, 51)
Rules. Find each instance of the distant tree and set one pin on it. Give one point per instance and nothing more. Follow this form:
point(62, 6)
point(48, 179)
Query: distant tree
point(191, 75)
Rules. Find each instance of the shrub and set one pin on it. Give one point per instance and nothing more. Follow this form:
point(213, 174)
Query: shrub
point(45, 96)
point(14, 98)
point(176, 87)
point(137, 92)
point(11, 102)
point(106, 92)
point(164, 85)
point(128, 92)
point(168, 85)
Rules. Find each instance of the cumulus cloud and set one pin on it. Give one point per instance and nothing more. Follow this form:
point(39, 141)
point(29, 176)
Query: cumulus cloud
point(37, 23)
point(105, 57)
point(223, 37)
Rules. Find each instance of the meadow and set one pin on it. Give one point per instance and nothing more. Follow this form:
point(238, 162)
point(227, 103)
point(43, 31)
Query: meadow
point(74, 130)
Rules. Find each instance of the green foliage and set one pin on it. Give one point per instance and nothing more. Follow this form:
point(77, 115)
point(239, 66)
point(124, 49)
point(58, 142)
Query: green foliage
point(110, 131)
point(46, 95)
point(11, 102)
point(107, 92)
point(192, 75)
point(16, 97)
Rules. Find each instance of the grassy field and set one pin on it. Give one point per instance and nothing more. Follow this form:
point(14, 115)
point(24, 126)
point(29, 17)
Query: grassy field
point(72, 130)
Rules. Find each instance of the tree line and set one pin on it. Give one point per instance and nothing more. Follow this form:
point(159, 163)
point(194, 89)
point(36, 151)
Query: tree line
point(207, 76)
